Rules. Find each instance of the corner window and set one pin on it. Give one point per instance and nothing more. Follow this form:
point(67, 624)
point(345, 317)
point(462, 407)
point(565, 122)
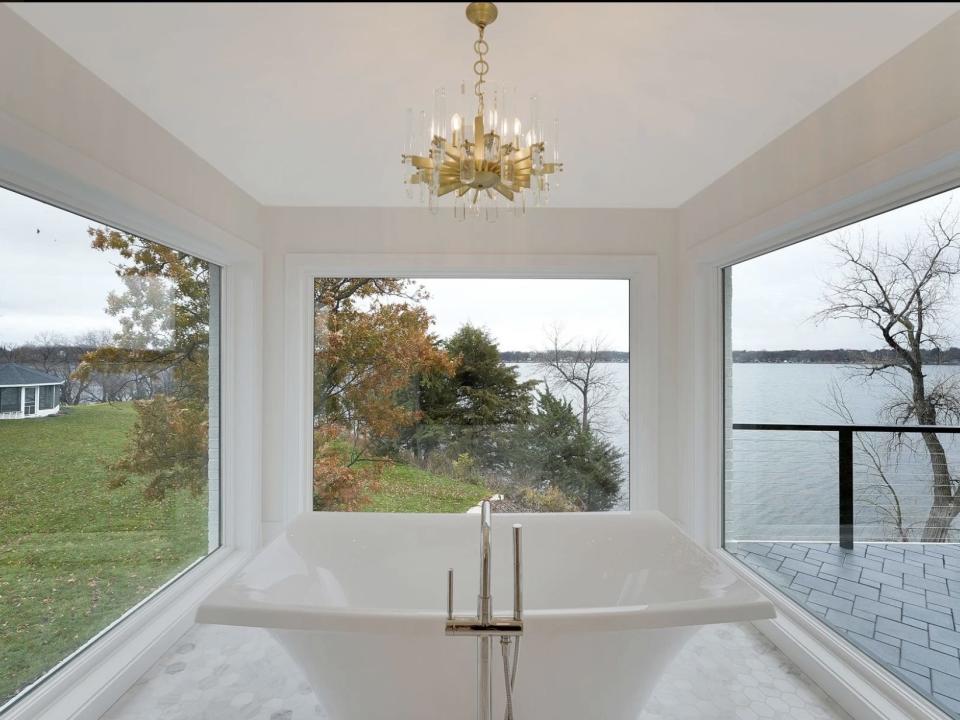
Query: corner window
point(842, 444)
point(431, 395)
point(109, 442)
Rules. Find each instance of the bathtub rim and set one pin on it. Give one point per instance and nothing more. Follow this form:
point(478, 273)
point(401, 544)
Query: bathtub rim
point(741, 602)
point(409, 622)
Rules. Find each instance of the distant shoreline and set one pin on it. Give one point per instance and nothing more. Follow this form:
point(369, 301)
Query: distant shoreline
point(522, 356)
point(841, 356)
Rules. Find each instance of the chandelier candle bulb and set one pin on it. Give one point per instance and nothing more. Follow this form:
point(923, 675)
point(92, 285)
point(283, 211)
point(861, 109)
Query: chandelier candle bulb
point(456, 130)
point(408, 138)
point(536, 133)
point(423, 138)
point(556, 141)
point(440, 113)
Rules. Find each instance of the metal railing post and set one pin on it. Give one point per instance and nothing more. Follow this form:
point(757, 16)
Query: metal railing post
point(845, 477)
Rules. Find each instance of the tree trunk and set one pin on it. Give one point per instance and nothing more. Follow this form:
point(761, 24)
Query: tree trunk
point(585, 411)
point(943, 511)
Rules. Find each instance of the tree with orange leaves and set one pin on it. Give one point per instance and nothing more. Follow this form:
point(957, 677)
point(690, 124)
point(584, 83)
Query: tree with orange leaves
point(371, 340)
point(164, 316)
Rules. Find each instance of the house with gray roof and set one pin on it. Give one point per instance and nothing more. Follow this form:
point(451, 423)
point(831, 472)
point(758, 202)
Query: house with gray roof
point(26, 392)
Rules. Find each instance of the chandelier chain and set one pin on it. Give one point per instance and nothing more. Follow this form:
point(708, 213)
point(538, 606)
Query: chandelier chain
point(481, 67)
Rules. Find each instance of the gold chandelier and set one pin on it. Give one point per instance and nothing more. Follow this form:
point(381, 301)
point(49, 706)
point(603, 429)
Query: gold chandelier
point(494, 159)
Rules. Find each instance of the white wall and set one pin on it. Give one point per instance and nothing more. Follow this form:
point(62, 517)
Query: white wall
point(413, 230)
point(56, 114)
point(892, 136)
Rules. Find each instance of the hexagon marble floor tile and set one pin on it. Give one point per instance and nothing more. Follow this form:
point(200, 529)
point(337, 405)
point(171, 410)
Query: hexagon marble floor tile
point(726, 672)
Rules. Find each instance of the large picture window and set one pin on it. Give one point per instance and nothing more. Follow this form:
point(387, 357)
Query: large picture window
point(842, 452)
point(109, 478)
point(431, 395)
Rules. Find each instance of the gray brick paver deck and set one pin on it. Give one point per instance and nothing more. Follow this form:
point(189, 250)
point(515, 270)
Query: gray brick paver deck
point(899, 604)
point(913, 622)
point(915, 597)
point(947, 637)
point(830, 600)
point(877, 608)
point(928, 616)
point(786, 551)
point(800, 566)
point(918, 682)
point(844, 571)
point(922, 655)
point(858, 589)
point(896, 642)
point(882, 578)
point(934, 645)
point(813, 582)
point(946, 684)
point(946, 573)
point(862, 562)
point(913, 667)
point(850, 622)
point(925, 583)
point(893, 567)
point(902, 631)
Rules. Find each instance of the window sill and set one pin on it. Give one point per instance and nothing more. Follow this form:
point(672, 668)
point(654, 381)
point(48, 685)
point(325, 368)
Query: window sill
point(86, 686)
point(862, 687)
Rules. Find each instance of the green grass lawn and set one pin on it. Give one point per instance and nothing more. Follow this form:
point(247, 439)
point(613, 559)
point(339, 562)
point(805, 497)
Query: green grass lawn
point(75, 554)
point(408, 489)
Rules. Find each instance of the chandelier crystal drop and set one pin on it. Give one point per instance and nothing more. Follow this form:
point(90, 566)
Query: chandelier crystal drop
point(486, 160)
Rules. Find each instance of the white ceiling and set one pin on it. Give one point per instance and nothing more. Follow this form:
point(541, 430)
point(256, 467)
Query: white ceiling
point(303, 104)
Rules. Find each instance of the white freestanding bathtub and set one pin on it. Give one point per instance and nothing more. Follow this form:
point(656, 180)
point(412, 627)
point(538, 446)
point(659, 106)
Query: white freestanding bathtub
point(358, 600)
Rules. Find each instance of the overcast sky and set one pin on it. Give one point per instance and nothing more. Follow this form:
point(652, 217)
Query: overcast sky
point(521, 313)
point(53, 282)
point(775, 295)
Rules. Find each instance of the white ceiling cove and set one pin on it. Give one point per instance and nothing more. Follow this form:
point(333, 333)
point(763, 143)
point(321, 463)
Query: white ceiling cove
point(303, 104)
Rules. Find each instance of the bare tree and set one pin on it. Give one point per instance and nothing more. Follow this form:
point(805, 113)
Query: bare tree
point(56, 355)
point(578, 365)
point(902, 291)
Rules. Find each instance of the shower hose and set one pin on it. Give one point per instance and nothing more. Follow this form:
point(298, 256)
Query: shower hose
point(509, 675)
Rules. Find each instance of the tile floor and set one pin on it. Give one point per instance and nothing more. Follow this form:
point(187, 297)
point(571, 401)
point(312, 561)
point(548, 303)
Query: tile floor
point(898, 602)
point(727, 672)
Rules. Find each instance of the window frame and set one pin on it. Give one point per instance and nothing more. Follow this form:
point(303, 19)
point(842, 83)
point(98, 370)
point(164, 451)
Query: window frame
point(842, 670)
point(302, 268)
point(96, 675)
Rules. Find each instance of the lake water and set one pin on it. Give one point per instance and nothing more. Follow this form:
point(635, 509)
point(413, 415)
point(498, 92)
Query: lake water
point(783, 485)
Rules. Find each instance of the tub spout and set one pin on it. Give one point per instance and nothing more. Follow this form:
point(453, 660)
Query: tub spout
point(485, 599)
point(484, 626)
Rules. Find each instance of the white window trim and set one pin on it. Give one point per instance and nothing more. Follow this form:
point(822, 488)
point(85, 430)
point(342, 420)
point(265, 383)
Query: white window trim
point(95, 678)
point(301, 269)
point(860, 685)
